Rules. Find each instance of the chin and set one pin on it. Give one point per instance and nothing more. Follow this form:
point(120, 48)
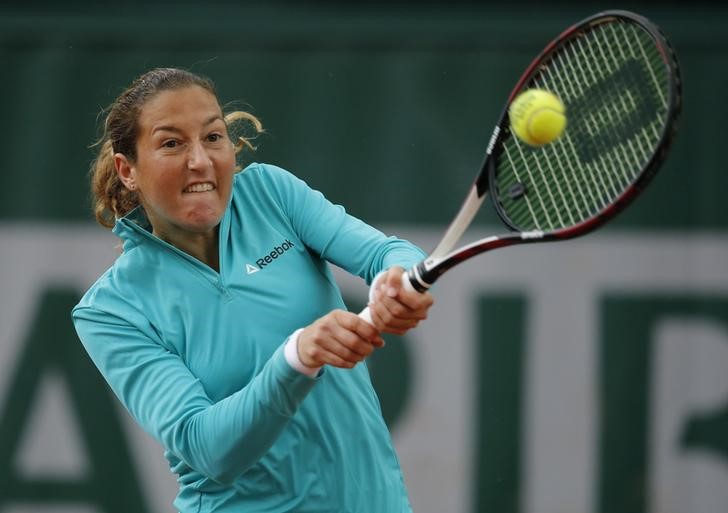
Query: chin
point(202, 223)
point(204, 227)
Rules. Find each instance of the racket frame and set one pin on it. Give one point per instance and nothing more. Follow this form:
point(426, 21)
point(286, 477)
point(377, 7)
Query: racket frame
point(423, 275)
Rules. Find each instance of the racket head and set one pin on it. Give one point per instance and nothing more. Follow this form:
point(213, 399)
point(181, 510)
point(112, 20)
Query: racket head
point(619, 79)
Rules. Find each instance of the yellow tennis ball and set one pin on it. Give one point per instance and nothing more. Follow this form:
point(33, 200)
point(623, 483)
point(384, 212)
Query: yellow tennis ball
point(537, 117)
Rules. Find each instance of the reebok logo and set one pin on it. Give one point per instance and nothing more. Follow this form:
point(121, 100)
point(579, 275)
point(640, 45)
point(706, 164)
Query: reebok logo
point(270, 257)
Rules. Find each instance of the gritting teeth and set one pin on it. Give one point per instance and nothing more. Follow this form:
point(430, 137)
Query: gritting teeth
point(200, 187)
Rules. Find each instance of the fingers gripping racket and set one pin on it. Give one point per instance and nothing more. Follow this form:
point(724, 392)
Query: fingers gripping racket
point(619, 79)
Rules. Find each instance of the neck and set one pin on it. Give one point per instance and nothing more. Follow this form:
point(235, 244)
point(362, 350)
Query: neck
point(202, 246)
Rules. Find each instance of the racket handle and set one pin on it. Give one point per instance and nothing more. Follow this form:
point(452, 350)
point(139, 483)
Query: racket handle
point(366, 314)
point(406, 285)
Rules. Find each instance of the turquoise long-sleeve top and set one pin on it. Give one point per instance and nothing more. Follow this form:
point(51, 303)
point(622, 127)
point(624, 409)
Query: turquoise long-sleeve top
point(196, 356)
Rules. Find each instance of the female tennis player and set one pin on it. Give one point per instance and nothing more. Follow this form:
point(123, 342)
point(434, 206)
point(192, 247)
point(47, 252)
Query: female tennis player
point(220, 327)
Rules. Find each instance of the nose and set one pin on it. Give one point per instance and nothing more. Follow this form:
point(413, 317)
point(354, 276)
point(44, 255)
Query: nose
point(198, 157)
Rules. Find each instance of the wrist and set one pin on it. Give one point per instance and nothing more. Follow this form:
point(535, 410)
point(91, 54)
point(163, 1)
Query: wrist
point(290, 351)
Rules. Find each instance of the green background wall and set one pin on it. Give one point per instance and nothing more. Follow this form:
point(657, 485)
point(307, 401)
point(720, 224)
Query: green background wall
point(395, 98)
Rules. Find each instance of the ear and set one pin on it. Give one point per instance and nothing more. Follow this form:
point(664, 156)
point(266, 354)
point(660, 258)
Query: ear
point(126, 171)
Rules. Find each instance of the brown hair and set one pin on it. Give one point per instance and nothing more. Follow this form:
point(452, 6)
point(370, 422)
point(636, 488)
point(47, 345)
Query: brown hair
point(111, 199)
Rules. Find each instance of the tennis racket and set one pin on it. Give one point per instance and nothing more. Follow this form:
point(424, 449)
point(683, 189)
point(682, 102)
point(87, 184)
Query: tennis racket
point(619, 79)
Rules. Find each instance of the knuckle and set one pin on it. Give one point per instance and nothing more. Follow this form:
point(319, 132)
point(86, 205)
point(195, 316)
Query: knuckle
point(386, 316)
point(344, 318)
point(369, 332)
point(398, 310)
point(347, 364)
point(360, 349)
point(317, 326)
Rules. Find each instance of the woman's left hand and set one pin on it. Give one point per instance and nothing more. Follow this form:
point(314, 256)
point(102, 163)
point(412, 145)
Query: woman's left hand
point(394, 309)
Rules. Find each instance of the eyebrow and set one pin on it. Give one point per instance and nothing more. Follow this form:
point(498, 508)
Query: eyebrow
point(171, 128)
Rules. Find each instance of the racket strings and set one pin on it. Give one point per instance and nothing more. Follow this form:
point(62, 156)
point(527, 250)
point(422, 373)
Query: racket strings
point(608, 182)
point(615, 84)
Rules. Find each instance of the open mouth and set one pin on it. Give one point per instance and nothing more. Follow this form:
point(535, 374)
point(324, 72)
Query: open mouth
point(200, 187)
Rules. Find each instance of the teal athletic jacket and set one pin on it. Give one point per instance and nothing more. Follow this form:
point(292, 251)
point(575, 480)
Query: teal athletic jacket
point(197, 357)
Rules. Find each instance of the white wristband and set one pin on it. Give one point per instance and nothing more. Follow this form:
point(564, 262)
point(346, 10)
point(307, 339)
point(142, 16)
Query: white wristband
point(290, 351)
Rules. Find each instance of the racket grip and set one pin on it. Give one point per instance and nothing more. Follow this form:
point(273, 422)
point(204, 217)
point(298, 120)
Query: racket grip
point(366, 313)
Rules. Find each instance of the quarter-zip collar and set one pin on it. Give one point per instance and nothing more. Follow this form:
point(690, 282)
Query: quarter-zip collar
point(134, 229)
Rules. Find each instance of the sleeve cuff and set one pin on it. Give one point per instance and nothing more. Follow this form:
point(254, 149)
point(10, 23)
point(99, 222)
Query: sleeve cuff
point(290, 352)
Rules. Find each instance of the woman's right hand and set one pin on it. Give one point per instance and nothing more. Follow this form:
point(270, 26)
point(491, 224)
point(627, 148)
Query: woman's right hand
point(339, 338)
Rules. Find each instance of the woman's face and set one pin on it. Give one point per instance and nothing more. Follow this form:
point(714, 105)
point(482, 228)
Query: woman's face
point(185, 162)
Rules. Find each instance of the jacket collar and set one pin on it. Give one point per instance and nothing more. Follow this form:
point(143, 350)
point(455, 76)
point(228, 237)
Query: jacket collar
point(133, 226)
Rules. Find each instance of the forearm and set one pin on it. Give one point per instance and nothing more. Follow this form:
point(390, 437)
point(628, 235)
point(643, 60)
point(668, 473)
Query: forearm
point(226, 438)
point(218, 439)
point(337, 237)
